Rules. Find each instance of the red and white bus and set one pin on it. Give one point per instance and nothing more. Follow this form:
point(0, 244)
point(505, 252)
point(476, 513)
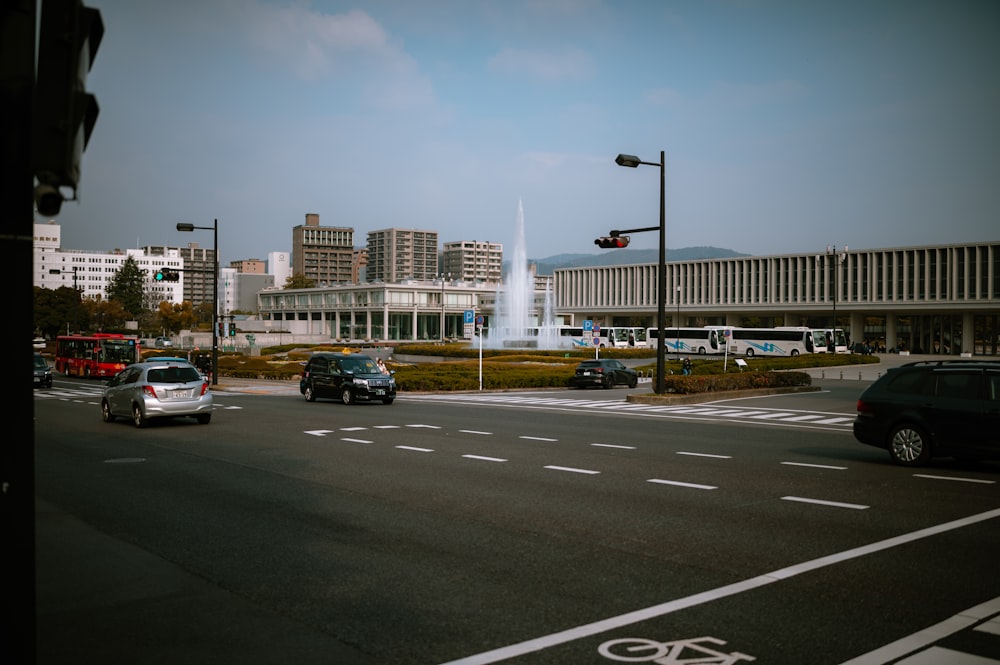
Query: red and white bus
point(97, 355)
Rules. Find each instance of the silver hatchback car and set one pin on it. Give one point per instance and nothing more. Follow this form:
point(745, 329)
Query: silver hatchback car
point(144, 391)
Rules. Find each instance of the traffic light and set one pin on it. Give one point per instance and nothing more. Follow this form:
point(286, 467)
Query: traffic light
point(232, 329)
point(167, 275)
point(222, 329)
point(64, 112)
point(612, 242)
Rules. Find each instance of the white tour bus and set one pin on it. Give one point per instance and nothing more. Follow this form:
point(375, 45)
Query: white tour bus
point(822, 338)
point(700, 341)
point(781, 341)
point(574, 336)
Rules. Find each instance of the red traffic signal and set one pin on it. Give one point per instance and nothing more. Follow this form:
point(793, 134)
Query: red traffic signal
point(612, 242)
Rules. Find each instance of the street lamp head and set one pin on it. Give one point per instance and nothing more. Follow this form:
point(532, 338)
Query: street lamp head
point(628, 160)
point(181, 226)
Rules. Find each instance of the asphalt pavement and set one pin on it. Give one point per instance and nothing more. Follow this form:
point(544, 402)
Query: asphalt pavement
point(85, 614)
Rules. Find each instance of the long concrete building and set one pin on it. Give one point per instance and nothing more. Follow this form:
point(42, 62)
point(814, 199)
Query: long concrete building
point(931, 299)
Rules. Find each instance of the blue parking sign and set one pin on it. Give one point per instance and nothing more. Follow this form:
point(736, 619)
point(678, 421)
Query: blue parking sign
point(470, 316)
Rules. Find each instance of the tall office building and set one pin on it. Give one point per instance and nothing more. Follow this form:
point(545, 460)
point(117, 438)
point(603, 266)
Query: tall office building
point(324, 254)
point(473, 261)
point(398, 254)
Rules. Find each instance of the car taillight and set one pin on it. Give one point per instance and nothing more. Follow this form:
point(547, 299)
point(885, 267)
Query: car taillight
point(149, 392)
point(864, 408)
point(204, 388)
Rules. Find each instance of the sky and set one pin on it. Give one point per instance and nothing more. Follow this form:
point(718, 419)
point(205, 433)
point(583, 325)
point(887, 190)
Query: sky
point(787, 126)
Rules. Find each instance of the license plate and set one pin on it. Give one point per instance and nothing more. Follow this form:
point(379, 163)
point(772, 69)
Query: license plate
point(379, 391)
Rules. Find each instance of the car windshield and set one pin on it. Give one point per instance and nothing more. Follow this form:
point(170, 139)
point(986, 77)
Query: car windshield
point(40, 362)
point(360, 366)
point(173, 375)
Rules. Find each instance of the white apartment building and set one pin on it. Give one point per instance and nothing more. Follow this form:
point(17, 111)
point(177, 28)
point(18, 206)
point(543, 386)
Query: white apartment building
point(395, 255)
point(90, 272)
point(473, 261)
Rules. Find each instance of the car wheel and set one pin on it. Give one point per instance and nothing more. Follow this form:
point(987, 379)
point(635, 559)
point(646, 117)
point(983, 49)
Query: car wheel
point(86, 372)
point(909, 446)
point(795, 352)
point(204, 418)
point(138, 419)
point(609, 382)
point(310, 395)
point(701, 351)
point(634, 382)
point(346, 396)
point(387, 400)
point(106, 412)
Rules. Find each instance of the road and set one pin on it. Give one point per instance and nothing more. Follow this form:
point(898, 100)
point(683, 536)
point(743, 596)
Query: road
point(549, 527)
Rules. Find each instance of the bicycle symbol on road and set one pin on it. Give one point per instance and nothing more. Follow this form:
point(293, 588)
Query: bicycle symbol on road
point(678, 652)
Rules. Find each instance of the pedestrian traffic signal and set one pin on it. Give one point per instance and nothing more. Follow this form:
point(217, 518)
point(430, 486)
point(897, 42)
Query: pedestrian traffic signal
point(232, 329)
point(612, 242)
point(222, 329)
point(64, 112)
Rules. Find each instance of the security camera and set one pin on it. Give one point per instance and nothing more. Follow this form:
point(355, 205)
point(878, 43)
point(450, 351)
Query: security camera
point(48, 200)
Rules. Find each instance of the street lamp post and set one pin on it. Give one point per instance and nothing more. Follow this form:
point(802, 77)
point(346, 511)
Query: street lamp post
point(58, 271)
point(632, 161)
point(215, 291)
point(831, 252)
point(443, 276)
point(677, 324)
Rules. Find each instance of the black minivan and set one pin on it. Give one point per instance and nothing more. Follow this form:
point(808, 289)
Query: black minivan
point(349, 377)
point(933, 408)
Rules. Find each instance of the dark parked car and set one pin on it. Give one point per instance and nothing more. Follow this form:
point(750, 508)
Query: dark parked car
point(349, 377)
point(43, 373)
point(604, 373)
point(157, 389)
point(942, 408)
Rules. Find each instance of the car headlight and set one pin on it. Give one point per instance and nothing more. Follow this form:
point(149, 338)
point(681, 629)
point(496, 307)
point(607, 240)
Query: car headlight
point(361, 382)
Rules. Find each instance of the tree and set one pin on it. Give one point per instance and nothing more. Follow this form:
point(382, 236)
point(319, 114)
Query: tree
point(58, 310)
point(106, 315)
point(125, 287)
point(299, 281)
point(175, 318)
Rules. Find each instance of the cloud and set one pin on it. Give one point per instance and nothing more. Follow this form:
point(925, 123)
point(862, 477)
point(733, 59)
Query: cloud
point(572, 64)
point(313, 44)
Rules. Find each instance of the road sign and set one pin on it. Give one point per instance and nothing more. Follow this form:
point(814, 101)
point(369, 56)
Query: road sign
point(469, 316)
point(588, 325)
point(479, 321)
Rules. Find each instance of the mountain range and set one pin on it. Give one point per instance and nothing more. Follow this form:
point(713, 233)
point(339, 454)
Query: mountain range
point(619, 257)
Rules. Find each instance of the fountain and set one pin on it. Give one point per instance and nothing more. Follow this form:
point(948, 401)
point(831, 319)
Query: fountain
point(515, 323)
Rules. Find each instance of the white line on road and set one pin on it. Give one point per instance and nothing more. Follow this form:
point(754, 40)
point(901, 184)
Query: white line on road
point(612, 445)
point(681, 452)
point(414, 448)
point(356, 441)
point(669, 607)
point(816, 466)
point(572, 470)
point(820, 502)
point(472, 431)
point(677, 483)
point(484, 458)
point(536, 438)
point(961, 480)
